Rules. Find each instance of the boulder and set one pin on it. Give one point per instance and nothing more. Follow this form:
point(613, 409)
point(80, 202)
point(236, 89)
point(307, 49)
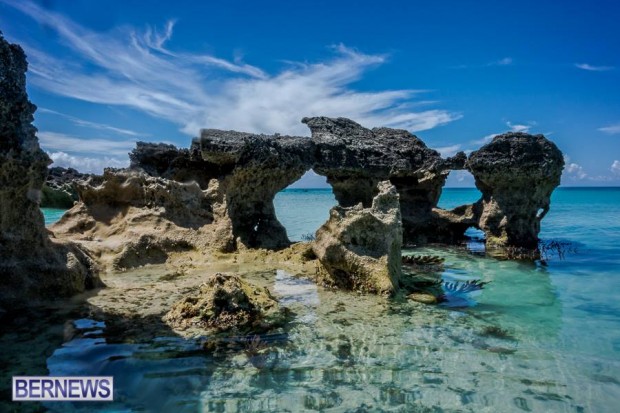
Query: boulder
point(226, 303)
point(32, 266)
point(516, 173)
point(360, 248)
point(355, 159)
point(252, 170)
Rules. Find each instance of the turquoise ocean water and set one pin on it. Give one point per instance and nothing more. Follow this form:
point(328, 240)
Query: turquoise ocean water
point(537, 338)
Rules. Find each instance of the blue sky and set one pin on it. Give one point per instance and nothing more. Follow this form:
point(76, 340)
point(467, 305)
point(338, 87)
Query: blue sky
point(106, 74)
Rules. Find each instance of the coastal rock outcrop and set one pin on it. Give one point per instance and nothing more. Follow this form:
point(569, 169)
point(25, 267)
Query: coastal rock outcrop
point(59, 190)
point(516, 173)
point(355, 159)
point(31, 265)
point(252, 170)
point(169, 162)
point(360, 248)
point(227, 303)
point(133, 218)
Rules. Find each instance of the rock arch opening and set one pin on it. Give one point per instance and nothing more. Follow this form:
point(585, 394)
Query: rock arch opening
point(304, 206)
point(458, 190)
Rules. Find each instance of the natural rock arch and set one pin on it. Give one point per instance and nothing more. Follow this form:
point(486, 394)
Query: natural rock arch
point(301, 216)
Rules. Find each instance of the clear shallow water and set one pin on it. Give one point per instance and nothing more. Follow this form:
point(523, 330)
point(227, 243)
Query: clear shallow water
point(560, 351)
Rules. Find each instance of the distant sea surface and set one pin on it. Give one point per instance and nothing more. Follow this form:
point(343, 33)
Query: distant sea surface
point(537, 338)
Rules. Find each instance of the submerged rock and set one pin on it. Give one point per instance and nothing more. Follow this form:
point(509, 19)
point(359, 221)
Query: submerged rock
point(253, 169)
point(355, 159)
point(516, 173)
point(360, 248)
point(31, 265)
point(226, 303)
point(424, 298)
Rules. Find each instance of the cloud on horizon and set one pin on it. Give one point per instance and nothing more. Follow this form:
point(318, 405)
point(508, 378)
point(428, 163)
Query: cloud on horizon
point(93, 146)
point(86, 164)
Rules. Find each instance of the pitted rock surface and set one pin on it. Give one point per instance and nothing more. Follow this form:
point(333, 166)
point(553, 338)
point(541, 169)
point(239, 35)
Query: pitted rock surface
point(360, 248)
point(516, 173)
point(355, 159)
point(32, 267)
point(254, 168)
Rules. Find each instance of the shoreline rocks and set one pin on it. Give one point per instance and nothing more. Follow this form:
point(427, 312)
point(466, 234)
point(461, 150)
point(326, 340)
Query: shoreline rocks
point(360, 248)
point(355, 159)
point(129, 218)
point(218, 195)
point(59, 190)
point(226, 303)
point(32, 266)
point(253, 169)
point(516, 173)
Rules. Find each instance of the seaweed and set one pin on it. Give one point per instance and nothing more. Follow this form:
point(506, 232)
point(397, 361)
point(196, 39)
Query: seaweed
point(496, 332)
point(549, 248)
point(545, 250)
point(308, 237)
point(422, 260)
point(463, 287)
point(254, 345)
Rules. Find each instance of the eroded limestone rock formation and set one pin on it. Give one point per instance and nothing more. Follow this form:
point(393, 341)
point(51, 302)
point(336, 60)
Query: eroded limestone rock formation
point(253, 169)
point(130, 218)
point(227, 303)
point(169, 162)
point(360, 248)
point(59, 190)
point(31, 265)
point(516, 173)
point(354, 159)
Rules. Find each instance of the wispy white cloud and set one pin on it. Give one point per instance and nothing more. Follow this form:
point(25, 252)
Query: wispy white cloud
point(516, 127)
point(447, 151)
point(86, 164)
point(88, 124)
point(53, 141)
point(615, 167)
point(506, 61)
point(611, 129)
point(136, 69)
point(593, 68)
